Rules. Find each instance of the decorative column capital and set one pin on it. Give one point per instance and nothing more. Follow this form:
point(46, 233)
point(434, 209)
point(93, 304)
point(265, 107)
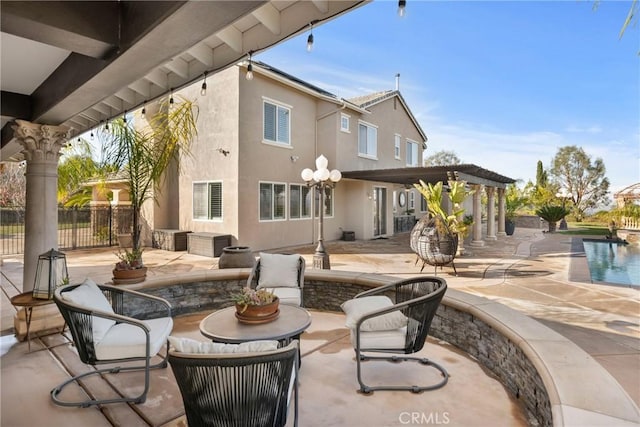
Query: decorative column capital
point(40, 142)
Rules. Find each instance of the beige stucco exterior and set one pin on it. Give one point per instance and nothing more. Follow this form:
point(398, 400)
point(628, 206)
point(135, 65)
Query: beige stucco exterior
point(230, 148)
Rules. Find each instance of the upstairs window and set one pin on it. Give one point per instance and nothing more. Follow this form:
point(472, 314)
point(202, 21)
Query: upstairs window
point(277, 123)
point(412, 153)
point(344, 122)
point(207, 200)
point(367, 140)
point(396, 147)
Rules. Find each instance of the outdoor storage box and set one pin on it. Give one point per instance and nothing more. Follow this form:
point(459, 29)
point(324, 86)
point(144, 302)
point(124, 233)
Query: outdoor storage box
point(170, 240)
point(208, 244)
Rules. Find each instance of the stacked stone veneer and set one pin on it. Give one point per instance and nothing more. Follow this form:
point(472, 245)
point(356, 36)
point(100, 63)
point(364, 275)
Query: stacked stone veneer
point(487, 331)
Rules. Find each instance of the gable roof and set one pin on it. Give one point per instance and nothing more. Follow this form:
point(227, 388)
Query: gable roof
point(366, 101)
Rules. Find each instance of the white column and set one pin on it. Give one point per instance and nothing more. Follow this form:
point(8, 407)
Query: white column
point(41, 149)
point(477, 216)
point(491, 213)
point(501, 212)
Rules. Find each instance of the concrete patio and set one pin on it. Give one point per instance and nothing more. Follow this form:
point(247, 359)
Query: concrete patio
point(532, 272)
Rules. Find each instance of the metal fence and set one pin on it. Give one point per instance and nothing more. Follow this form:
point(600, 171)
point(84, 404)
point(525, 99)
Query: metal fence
point(90, 227)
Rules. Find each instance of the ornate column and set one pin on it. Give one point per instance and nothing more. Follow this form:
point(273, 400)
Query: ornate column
point(491, 213)
point(477, 216)
point(42, 144)
point(501, 212)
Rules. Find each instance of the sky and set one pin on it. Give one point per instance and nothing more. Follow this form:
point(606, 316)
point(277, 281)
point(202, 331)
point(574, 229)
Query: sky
point(503, 84)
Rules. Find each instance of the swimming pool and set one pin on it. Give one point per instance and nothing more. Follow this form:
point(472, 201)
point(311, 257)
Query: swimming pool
point(613, 262)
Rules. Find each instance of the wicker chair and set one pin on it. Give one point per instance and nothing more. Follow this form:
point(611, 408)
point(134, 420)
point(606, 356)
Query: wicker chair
point(237, 389)
point(102, 331)
point(400, 324)
point(288, 293)
point(433, 244)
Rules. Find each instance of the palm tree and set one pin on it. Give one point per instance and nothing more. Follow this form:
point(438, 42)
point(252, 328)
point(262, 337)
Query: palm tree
point(552, 214)
point(143, 153)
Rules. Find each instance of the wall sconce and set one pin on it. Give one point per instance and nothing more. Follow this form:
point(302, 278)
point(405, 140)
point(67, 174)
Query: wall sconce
point(223, 151)
point(294, 158)
point(51, 272)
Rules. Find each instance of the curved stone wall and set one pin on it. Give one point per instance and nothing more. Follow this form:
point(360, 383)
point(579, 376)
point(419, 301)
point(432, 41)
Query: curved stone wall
point(556, 381)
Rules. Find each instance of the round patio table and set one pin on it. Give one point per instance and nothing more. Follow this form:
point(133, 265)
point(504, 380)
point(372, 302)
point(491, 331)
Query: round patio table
point(223, 326)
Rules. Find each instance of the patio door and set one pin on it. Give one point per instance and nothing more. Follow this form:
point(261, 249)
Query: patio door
point(379, 211)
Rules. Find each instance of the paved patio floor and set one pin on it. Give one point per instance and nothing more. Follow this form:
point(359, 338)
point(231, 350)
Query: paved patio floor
point(531, 271)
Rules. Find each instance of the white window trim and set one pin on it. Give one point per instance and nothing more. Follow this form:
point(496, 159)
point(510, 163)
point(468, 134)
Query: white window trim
point(283, 105)
point(286, 202)
point(333, 204)
point(302, 218)
point(218, 220)
point(367, 156)
point(397, 144)
point(348, 117)
point(410, 141)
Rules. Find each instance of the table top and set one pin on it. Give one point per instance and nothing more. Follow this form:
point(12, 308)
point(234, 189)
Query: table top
point(223, 326)
point(26, 299)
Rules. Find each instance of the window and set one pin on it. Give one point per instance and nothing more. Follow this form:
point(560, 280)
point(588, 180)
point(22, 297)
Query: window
point(344, 122)
point(207, 200)
point(412, 153)
point(273, 201)
point(412, 200)
point(328, 202)
point(396, 147)
point(299, 201)
point(367, 140)
point(276, 123)
point(423, 204)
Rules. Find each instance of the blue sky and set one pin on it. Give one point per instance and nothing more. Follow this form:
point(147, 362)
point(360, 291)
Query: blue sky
point(503, 84)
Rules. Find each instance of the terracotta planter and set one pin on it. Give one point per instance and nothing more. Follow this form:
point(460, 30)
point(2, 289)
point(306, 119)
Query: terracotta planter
point(258, 313)
point(127, 277)
point(236, 257)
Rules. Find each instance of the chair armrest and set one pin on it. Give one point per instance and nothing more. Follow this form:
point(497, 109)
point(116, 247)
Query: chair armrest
point(161, 302)
point(378, 290)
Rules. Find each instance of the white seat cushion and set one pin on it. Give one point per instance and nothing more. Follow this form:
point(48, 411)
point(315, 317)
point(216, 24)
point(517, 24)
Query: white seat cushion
point(290, 296)
point(188, 345)
point(390, 340)
point(88, 295)
point(278, 270)
point(124, 340)
point(356, 308)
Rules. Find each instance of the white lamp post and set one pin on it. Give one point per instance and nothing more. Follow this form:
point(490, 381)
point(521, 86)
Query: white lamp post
point(564, 196)
point(321, 179)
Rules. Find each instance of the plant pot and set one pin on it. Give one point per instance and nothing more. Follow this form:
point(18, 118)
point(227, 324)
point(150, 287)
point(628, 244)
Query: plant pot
point(509, 227)
point(258, 313)
point(236, 257)
point(125, 240)
point(127, 277)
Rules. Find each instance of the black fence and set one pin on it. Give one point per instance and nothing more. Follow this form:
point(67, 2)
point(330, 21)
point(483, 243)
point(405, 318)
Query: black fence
point(91, 227)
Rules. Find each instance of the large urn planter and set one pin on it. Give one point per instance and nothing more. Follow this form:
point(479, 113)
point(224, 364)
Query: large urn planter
point(236, 257)
point(509, 227)
point(127, 277)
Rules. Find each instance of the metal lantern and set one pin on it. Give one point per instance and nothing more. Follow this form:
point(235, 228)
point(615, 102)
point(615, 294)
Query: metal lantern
point(51, 272)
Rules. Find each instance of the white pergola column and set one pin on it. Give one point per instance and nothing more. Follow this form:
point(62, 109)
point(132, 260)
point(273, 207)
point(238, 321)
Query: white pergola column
point(501, 212)
point(477, 216)
point(491, 213)
point(41, 149)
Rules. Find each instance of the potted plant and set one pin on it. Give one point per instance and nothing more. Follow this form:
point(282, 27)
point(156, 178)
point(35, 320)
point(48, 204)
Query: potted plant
point(144, 153)
point(552, 214)
point(256, 306)
point(513, 202)
point(130, 268)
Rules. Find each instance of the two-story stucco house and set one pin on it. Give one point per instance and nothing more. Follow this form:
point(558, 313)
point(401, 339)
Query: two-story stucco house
point(254, 139)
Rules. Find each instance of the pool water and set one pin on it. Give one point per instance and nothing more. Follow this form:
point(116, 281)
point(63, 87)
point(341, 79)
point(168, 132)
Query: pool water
point(613, 262)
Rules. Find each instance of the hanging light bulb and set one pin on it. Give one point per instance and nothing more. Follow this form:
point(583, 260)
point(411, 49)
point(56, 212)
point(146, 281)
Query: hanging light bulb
point(106, 126)
point(249, 75)
point(203, 90)
point(144, 110)
point(310, 40)
point(91, 136)
point(171, 98)
point(124, 116)
point(402, 4)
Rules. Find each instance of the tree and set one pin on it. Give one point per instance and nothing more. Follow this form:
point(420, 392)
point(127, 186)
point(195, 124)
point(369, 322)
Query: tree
point(145, 153)
point(552, 214)
point(541, 175)
point(13, 184)
point(442, 158)
point(76, 167)
point(573, 171)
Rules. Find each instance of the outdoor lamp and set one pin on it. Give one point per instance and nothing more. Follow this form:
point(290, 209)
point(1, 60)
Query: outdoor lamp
point(321, 179)
point(51, 272)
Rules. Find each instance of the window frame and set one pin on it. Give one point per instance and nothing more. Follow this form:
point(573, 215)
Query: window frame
point(368, 155)
point(346, 117)
point(411, 143)
point(397, 143)
point(208, 200)
point(301, 202)
point(316, 203)
point(278, 105)
point(273, 201)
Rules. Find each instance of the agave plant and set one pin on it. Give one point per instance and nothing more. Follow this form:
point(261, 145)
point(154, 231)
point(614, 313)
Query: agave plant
point(552, 214)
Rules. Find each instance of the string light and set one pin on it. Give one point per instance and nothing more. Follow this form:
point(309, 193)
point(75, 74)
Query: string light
point(310, 39)
point(249, 75)
point(171, 98)
point(144, 109)
point(91, 134)
point(203, 90)
point(402, 4)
